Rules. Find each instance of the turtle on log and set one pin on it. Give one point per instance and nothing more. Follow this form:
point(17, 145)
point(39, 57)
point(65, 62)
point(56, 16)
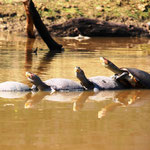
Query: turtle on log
point(13, 89)
point(9, 86)
point(97, 83)
point(54, 84)
point(129, 77)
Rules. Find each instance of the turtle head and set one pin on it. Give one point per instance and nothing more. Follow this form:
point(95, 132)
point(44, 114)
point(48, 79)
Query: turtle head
point(86, 83)
point(105, 62)
point(111, 66)
point(33, 78)
point(79, 72)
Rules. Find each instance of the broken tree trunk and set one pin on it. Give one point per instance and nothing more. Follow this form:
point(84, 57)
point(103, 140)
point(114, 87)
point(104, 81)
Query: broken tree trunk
point(30, 27)
point(41, 28)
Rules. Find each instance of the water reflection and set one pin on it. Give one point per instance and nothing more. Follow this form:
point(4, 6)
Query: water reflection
point(102, 43)
point(29, 52)
point(117, 98)
point(45, 61)
point(121, 98)
point(35, 99)
point(47, 58)
point(12, 95)
point(125, 99)
point(71, 120)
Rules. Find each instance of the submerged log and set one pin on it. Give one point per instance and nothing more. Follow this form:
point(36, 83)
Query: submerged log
point(42, 30)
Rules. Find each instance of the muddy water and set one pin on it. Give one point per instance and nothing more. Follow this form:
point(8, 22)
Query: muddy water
point(108, 120)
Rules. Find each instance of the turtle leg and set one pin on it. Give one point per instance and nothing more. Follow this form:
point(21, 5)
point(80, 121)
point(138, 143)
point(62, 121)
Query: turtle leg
point(122, 79)
point(121, 76)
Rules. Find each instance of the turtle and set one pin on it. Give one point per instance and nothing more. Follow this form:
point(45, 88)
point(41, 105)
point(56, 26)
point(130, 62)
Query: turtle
point(53, 84)
point(129, 77)
point(13, 89)
point(97, 83)
point(10, 86)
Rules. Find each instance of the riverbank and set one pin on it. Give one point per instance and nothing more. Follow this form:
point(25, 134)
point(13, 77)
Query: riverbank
point(104, 18)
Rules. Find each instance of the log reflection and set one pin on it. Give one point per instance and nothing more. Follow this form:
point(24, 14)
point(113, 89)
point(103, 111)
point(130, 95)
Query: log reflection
point(29, 53)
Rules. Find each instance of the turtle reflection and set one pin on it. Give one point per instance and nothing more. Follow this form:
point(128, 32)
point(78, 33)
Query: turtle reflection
point(122, 98)
point(125, 99)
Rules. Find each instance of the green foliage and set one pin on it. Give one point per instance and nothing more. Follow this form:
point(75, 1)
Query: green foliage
point(135, 9)
point(71, 12)
point(7, 1)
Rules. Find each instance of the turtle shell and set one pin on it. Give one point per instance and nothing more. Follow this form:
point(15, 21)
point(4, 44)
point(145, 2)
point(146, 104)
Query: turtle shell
point(61, 84)
point(105, 83)
point(13, 86)
point(142, 76)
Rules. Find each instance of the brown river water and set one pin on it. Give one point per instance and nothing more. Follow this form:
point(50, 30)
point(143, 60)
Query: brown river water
point(108, 120)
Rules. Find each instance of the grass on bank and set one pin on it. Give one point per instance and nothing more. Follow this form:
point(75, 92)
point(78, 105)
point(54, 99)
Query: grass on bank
point(105, 9)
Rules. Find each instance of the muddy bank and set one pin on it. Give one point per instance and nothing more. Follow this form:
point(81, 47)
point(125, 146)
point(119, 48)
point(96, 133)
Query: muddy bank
point(95, 27)
point(14, 20)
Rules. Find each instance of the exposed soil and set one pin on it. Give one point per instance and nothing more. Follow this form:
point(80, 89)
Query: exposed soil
point(71, 18)
point(95, 27)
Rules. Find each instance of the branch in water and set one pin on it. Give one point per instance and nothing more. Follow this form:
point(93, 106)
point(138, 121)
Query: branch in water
point(41, 28)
